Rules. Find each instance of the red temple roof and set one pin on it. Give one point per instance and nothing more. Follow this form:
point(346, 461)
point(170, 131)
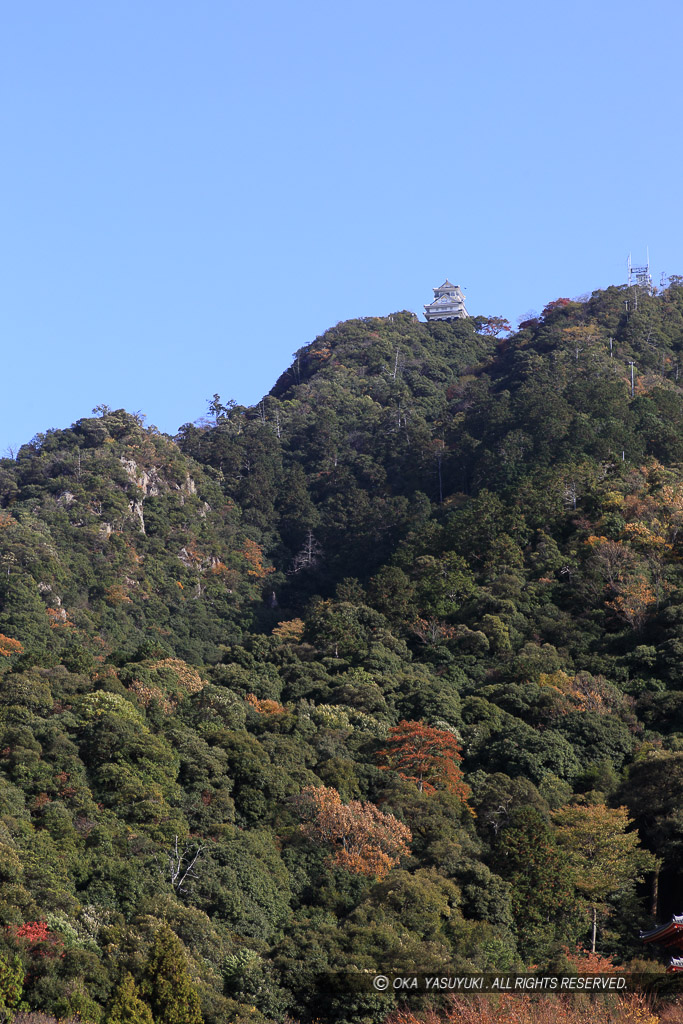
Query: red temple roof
point(669, 935)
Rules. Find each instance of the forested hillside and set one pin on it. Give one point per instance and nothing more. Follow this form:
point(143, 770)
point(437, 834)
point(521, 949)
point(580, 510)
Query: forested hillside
point(382, 674)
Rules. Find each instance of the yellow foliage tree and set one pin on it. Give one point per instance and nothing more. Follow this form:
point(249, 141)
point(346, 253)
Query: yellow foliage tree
point(634, 601)
point(290, 631)
point(607, 860)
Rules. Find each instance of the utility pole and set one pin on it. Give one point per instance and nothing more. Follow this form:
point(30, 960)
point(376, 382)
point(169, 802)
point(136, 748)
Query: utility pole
point(439, 457)
point(632, 364)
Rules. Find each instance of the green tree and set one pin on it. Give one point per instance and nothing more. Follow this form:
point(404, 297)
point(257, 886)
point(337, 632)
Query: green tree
point(528, 857)
point(654, 795)
point(167, 984)
point(11, 988)
point(443, 583)
point(127, 1007)
point(608, 860)
point(392, 593)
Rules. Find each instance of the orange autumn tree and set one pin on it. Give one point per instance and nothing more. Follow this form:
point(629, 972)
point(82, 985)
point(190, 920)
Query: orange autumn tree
point(426, 756)
point(534, 1008)
point(364, 840)
point(253, 555)
point(585, 962)
point(264, 707)
point(8, 646)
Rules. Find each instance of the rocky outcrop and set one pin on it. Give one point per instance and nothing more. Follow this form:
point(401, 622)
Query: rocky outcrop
point(151, 483)
point(136, 510)
point(148, 480)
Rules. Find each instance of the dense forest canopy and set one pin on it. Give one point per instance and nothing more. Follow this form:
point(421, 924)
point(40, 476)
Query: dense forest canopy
point(383, 673)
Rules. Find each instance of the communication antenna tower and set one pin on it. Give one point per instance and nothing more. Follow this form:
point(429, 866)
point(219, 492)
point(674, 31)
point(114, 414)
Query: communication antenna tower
point(640, 276)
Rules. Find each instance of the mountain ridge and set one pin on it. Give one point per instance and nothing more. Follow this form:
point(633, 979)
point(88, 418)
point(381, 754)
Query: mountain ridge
point(426, 537)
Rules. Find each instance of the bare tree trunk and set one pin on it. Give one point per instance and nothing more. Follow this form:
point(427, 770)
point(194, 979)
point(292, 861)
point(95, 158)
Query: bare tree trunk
point(655, 892)
point(595, 928)
point(181, 865)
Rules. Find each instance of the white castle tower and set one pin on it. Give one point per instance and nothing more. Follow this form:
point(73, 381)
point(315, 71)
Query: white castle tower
point(448, 304)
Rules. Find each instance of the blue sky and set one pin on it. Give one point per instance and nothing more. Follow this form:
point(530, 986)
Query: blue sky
point(193, 191)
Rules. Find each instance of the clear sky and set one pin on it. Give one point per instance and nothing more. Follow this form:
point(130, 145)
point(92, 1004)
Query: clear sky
point(192, 191)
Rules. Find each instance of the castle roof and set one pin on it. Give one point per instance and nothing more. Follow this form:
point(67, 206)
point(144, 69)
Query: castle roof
point(448, 303)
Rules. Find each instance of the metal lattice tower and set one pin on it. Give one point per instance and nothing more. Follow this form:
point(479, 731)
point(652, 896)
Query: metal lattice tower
point(640, 276)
